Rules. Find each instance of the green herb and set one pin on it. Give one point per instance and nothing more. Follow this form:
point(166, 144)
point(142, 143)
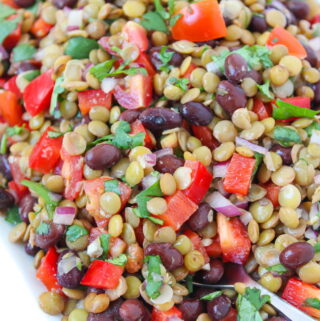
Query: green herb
point(161, 10)
point(317, 247)
point(3, 144)
point(181, 83)
point(6, 11)
point(314, 126)
point(23, 51)
point(75, 231)
point(7, 27)
point(15, 130)
point(13, 215)
point(265, 90)
point(313, 303)
point(259, 158)
point(112, 186)
point(211, 296)
point(173, 20)
point(154, 274)
point(80, 47)
point(78, 264)
point(277, 268)
point(121, 260)
point(286, 135)
point(171, 5)
point(57, 90)
point(50, 202)
point(189, 283)
point(165, 57)
point(153, 21)
point(101, 70)
point(54, 134)
point(105, 243)
point(43, 229)
point(286, 110)
point(34, 8)
point(32, 74)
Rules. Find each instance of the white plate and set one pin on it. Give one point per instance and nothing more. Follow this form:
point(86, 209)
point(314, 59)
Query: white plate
point(19, 287)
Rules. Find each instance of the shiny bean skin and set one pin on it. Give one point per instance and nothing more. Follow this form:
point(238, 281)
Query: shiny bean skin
point(281, 7)
point(196, 113)
point(25, 206)
point(160, 119)
point(102, 156)
point(24, 3)
point(296, 255)
point(5, 167)
point(176, 59)
point(191, 308)
point(236, 67)
point(111, 314)
point(316, 89)
point(134, 310)
point(168, 164)
point(258, 24)
point(230, 97)
point(255, 75)
point(215, 273)
point(284, 152)
point(6, 199)
point(44, 241)
point(170, 257)
point(299, 8)
point(60, 4)
point(311, 55)
point(31, 249)
point(219, 307)
point(130, 115)
point(200, 218)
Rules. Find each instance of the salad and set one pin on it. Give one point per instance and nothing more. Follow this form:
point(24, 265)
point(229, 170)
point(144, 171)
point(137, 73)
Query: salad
point(147, 143)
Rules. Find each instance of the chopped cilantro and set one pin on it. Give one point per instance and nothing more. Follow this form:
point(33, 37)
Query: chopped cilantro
point(105, 243)
point(313, 303)
point(314, 126)
point(211, 296)
point(161, 10)
point(173, 20)
point(23, 51)
point(181, 83)
point(112, 186)
point(13, 215)
point(277, 268)
point(153, 21)
point(121, 260)
point(101, 70)
point(165, 57)
point(265, 90)
point(317, 247)
point(171, 5)
point(55, 134)
point(43, 229)
point(3, 144)
point(6, 11)
point(259, 158)
point(15, 130)
point(154, 276)
point(285, 135)
point(8, 26)
point(57, 90)
point(75, 231)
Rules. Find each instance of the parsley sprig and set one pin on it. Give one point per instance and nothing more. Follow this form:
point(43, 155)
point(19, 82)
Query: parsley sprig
point(165, 57)
point(181, 83)
point(154, 276)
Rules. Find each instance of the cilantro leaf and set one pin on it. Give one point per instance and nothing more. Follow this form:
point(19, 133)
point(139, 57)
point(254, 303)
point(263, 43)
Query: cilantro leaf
point(253, 295)
point(259, 158)
point(173, 20)
point(15, 130)
point(121, 260)
point(313, 303)
point(13, 215)
point(165, 57)
point(43, 229)
point(189, 284)
point(286, 110)
point(285, 135)
point(55, 134)
point(75, 231)
point(6, 11)
point(34, 8)
point(32, 74)
point(153, 21)
point(211, 296)
point(23, 51)
point(101, 70)
point(317, 247)
point(112, 186)
point(8, 26)
point(278, 268)
point(314, 126)
point(171, 5)
point(181, 83)
point(105, 243)
point(57, 90)
point(154, 276)
point(265, 89)
point(3, 144)
point(161, 10)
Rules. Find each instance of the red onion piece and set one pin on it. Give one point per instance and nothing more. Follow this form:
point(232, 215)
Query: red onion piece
point(246, 217)
point(64, 215)
point(72, 28)
point(242, 203)
point(220, 169)
point(147, 160)
point(311, 234)
point(164, 152)
point(317, 179)
point(3, 53)
point(55, 196)
point(219, 186)
point(254, 147)
point(223, 205)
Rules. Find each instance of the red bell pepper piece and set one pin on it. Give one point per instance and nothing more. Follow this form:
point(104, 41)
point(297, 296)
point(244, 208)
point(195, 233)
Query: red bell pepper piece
point(296, 292)
point(197, 245)
point(201, 180)
point(2, 82)
point(171, 314)
point(280, 36)
point(10, 108)
point(144, 61)
point(18, 190)
point(11, 85)
point(214, 249)
point(12, 40)
point(10, 3)
point(231, 316)
point(234, 241)
point(188, 72)
point(303, 102)
point(135, 33)
point(40, 28)
point(46, 153)
point(47, 272)
point(238, 176)
point(315, 19)
point(137, 127)
point(272, 193)
point(204, 133)
point(179, 210)
point(261, 109)
point(93, 97)
point(37, 94)
point(102, 275)
point(15, 186)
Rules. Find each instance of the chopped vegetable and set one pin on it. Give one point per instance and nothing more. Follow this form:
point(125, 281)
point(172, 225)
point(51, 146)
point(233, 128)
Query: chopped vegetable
point(154, 281)
point(286, 135)
point(13, 215)
point(211, 296)
point(23, 52)
point(278, 268)
point(80, 47)
point(75, 231)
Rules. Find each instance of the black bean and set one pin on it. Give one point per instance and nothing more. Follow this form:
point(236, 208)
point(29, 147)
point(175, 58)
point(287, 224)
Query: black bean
point(26, 206)
point(160, 119)
point(24, 3)
point(296, 255)
point(255, 75)
point(200, 218)
point(215, 273)
point(219, 307)
point(6, 199)
point(171, 258)
point(31, 249)
point(168, 164)
point(5, 167)
point(316, 89)
point(230, 97)
point(60, 4)
point(258, 24)
point(191, 309)
point(130, 115)
point(300, 9)
point(111, 314)
point(284, 152)
point(312, 57)
point(44, 241)
point(196, 113)
point(102, 156)
point(176, 59)
point(134, 310)
point(236, 67)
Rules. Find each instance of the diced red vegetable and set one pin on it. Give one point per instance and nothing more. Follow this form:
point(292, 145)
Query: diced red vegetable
point(200, 21)
point(315, 19)
point(272, 193)
point(135, 33)
point(263, 110)
point(171, 314)
point(231, 316)
point(37, 94)
point(303, 102)
point(18, 190)
point(144, 61)
point(204, 133)
point(47, 272)
point(40, 28)
point(238, 176)
point(197, 245)
point(45, 153)
point(214, 249)
point(296, 292)
point(137, 127)
point(234, 241)
point(93, 97)
point(10, 108)
point(11, 85)
point(102, 275)
point(10, 3)
point(190, 69)
point(280, 36)
point(12, 40)
point(180, 208)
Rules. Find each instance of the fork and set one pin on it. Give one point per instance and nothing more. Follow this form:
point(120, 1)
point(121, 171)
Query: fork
point(236, 273)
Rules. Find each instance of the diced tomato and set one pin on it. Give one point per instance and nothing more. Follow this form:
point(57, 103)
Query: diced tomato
point(136, 94)
point(47, 272)
point(231, 316)
point(171, 314)
point(214, 249)
point(180, 208)
point(45, 153)
point(102, 275)
point(137, 127)
point(303, 102)
point(2, 82)
point(11, 85)
point(10, 3)
point(10, 108)
point(144, 61)
point(238, 176)
point(204, 133)
point(296, 292)
point(93, 97)
point(263, 110)
point(15, 169)
point(12, 40)
point(18, 190)
point(37, 94)
point(40, 28)
point(234, 241)
point(280, 36)
point(197, 245)
point(135, 33)
point(190, 69)
point(315, 19)
point(200, 21)
point(201, 180)
point(272, 193)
